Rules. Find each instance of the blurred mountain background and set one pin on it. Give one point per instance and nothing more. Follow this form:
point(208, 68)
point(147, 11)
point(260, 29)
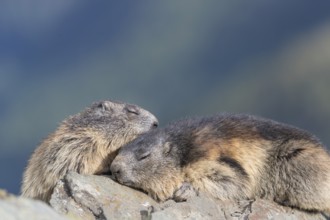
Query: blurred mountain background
point(174, 58)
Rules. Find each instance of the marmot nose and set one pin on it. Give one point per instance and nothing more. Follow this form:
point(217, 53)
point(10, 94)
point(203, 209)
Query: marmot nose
point(116, 171)
point(155, 124)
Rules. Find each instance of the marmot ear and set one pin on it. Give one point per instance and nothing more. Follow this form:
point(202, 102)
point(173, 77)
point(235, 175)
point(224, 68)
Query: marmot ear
point(104, 106)
point(167, 148)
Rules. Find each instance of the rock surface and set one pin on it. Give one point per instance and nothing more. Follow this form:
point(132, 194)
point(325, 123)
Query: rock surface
point(99, 197)
point(16, 208)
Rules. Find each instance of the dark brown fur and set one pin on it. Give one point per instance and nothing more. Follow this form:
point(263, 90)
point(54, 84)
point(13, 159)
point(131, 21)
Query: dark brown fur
point(85, 143)
point(229, 156)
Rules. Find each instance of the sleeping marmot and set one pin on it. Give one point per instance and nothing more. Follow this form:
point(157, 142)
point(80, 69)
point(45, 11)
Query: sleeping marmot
point(229, 157)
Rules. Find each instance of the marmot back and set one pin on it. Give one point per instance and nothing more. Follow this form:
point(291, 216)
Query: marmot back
point(229, 157)
point(85, 143)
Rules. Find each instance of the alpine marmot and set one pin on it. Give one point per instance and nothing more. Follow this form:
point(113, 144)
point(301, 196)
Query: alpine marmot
point(85, 143)
point(229, 157)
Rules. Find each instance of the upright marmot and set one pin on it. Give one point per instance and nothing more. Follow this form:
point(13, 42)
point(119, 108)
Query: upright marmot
point(86, 143)
point(229, 157)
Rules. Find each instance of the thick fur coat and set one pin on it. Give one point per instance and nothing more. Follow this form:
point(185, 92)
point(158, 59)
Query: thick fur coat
point(229, 157)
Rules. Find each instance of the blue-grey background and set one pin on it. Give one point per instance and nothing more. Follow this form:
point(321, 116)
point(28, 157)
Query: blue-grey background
point(174, 58)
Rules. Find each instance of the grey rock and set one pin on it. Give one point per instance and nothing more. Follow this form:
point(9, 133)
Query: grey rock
point(17, 208)
point(99, 197)
point(207, 208)
point(262, 209)
point(195, 208)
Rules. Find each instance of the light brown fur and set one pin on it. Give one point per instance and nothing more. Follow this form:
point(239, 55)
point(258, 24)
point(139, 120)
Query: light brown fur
point(252, 162)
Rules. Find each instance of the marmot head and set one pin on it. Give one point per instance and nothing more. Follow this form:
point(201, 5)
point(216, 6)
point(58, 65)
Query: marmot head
point(99, 131)
point(151, 163)
point(113, 120)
